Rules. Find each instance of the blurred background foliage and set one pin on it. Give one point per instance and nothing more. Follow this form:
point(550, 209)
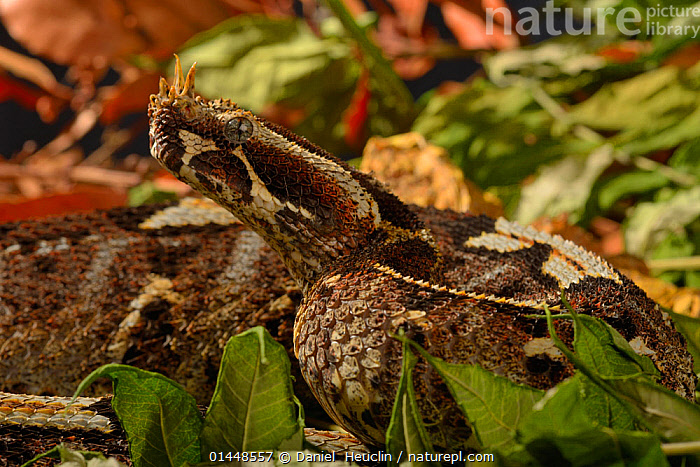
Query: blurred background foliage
point(601, 128)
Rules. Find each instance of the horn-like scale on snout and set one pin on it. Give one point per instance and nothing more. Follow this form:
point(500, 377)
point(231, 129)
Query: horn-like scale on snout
point(181, 87)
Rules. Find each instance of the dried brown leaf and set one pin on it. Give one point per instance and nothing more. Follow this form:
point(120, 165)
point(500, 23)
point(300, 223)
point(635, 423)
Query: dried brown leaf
point(83, 198)
point(32, 70)
point(127, 97)
point(95, 33)
point(422, 174)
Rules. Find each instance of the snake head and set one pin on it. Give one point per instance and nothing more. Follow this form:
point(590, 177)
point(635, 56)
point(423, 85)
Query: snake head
point(308, 205)
point(195, 139)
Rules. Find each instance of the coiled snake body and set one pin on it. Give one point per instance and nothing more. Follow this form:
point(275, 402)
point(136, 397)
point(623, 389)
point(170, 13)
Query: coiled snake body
point(368, 267)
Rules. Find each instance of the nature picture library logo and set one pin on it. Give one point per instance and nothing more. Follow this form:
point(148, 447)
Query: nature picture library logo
point(662, 19)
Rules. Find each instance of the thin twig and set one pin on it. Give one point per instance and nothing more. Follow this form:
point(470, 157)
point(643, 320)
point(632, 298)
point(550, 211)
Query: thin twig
point(680, 449)
point(375, 62)
point(33, 70)
point(84, 174)
point(588, 134)
point(690, 263)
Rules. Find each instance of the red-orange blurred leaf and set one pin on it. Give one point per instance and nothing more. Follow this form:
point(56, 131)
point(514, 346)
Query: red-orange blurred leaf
point(355, 115)
point(396, 41)
point(48, 108)
point(33, 70)
point(94, 34)
point(686, 57)
point(414, 67)
point(83, 199)
point(284, 115)
point(624, 52)
point(164, 181)
point(612, 241)
point(125, 98)
point(19, 92)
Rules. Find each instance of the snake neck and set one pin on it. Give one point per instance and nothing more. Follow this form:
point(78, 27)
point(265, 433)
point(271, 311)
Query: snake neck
point(312, 208)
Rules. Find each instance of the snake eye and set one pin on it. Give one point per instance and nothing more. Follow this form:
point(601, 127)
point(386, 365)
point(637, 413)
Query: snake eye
point(238, 130)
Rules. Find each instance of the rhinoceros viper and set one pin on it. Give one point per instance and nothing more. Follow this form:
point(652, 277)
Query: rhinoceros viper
point(368, 267)
point(467, 288)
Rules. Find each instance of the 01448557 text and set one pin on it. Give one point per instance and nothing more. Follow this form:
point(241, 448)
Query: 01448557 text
point(266, 457)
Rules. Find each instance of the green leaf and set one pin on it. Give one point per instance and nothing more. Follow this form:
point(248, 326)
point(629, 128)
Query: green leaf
point(257, 61)
point(603, 349)
point(603, 356)
point(605, 410)
point(559, 411)
point(161, 420)
point(394, 95)
point(498, 136)
point(307, 459)
point(53, 453)
point(627, 184)
point(564, 186)
point(146, 192)
point(659, 109)
point(253, 406)
point(650, 223)
point(546, 60)
point(493, 404)
point(692, 279)
point(569, 424)
point(71, 458)
point(564, 430)
point(598, 447)
point(690, 328)
point(687, 158)
point(672, 232)
point(406, 433)
point(561, 65)
point(241, 58)
point(678, 244)
point(672, 417)
point(669, 416)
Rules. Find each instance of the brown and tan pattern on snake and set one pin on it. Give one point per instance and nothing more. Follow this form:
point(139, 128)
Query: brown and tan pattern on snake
point(159, 287)
point(369, 266)
point(31, 425)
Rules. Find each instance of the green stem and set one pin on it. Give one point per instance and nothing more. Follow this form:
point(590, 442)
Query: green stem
point(379, 66)
point(681, 449)
point(690, 263)
point(588, 134)
point(53, 453)
point(649, 165)
point(583, 368)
